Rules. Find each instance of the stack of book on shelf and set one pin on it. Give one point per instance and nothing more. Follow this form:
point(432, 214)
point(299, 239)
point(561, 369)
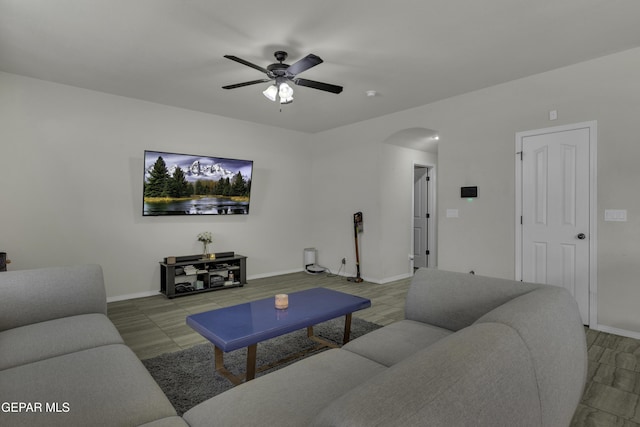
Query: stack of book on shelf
point(190, 270)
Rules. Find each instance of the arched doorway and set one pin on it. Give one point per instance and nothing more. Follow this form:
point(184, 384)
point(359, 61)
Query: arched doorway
point(423, 249)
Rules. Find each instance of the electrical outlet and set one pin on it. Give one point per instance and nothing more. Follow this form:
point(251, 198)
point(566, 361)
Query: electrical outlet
point(344, 261)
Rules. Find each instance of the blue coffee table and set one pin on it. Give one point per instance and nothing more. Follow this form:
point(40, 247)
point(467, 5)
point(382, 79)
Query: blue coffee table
point(245, 325)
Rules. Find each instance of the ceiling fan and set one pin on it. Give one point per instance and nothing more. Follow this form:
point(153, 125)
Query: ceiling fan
point(282, 73)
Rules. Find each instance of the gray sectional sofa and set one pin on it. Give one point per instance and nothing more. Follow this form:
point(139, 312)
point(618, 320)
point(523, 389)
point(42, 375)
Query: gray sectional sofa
point(60, 353)
point(472, 351)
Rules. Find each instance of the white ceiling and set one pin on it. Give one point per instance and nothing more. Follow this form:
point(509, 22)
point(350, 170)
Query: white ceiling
point(412, 52)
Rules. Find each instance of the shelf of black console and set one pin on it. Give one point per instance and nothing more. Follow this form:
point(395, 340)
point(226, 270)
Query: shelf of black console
point(211, 276)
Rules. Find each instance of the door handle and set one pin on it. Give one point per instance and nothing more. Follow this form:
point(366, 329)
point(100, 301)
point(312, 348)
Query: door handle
point(581, 236)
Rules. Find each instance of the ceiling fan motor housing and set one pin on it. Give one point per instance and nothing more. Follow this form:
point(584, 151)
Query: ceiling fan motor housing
point(278, 70)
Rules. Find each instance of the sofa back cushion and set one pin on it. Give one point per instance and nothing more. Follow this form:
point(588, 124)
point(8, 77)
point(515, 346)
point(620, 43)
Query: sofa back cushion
point(453, 301)
point(548, 320)
point(32, 296)
point(479, 376)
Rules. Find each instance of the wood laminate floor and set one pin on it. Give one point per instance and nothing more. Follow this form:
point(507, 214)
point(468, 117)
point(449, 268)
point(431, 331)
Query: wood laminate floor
point(155, 325)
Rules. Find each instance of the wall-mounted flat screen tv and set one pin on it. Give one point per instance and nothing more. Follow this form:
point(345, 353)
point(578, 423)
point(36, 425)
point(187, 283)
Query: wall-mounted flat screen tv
point(185, 184)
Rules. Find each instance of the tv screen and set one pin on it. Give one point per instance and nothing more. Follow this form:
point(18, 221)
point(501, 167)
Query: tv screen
point(184, 184)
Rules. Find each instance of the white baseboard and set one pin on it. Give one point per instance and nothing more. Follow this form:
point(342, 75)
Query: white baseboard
point(153, 293)
point(275, 273)
point(262, 276)
point(383, 280)
point(617, 331)
point(395, 278)
point(132, 296)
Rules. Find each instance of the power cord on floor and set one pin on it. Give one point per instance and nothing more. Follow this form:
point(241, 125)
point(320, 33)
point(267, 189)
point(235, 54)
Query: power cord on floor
point(330, 274)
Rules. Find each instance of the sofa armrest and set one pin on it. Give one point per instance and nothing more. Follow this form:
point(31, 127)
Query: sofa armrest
point(481, 376)
point(548, 321)
point(32, 296)
point(454, 300)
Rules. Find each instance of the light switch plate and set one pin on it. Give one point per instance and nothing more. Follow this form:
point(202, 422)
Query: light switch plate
point(619, 215)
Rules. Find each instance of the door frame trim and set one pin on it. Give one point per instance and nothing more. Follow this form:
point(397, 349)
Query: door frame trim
point(593, 206)
point(432, 225)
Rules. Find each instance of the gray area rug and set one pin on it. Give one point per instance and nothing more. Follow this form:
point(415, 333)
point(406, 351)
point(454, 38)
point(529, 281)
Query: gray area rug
point(188, 377)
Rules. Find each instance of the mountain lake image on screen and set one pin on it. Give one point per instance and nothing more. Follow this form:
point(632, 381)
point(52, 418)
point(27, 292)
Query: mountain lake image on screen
point(185, 184)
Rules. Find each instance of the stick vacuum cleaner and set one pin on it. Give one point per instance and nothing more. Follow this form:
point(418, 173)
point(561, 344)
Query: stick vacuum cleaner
point(357, 228)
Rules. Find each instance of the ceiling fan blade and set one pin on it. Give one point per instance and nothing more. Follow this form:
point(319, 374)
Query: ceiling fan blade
point(252, 82)
point(247, 63)
point(318, 85)
point(304, 64)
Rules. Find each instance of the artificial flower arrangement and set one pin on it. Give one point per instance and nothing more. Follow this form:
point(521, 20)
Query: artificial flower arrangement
point(206, 238)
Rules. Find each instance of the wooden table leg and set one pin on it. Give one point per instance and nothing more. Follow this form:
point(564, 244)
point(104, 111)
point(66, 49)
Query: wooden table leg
point(251, 362)
point(219, 359)
point(219, 367)
point(347, 329)
point(252, 353)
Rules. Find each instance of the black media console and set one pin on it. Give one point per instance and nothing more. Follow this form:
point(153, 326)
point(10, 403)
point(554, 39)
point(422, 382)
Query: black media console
point(192, 274)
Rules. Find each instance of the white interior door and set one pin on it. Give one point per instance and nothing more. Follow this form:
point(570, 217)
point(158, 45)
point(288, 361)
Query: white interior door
point(555, 220)
point(421, 217)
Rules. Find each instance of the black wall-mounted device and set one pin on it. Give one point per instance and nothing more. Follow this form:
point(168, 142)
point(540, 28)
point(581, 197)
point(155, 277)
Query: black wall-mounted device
point(468, 192)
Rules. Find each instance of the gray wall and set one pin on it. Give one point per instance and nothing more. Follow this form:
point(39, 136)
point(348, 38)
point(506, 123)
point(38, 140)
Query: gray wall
point(477, 147)
point(71, 167)
point(354, 170)
point(307, 186)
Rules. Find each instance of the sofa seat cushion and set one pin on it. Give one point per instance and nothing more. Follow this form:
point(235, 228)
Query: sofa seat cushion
point(40, 341)
point(479, 376)
point(396, 342)
point(292, 396)
point(107, 385)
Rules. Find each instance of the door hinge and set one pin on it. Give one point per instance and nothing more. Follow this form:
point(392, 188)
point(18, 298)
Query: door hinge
point(427, 252)
point(428, 178)
point(428, 215)
point(520, 219)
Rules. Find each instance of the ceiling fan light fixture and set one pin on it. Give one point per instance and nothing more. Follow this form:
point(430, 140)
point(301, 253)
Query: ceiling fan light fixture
point(285, 93)
point(271, 92)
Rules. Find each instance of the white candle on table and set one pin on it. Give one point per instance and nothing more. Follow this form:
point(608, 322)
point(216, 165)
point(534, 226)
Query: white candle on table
point(282, 301)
